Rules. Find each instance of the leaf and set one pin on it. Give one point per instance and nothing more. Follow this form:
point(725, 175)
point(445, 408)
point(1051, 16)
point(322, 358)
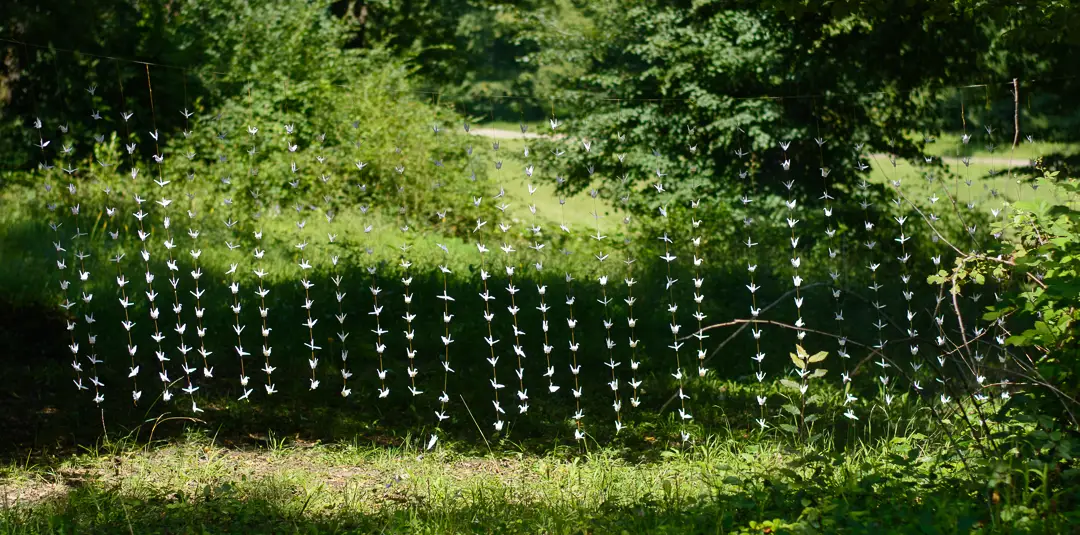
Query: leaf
point(789, 384)
point(811, 419)
point(789, 428)
point(793, 410)
point(818, 357)
point(820, 372)
point(798, 361)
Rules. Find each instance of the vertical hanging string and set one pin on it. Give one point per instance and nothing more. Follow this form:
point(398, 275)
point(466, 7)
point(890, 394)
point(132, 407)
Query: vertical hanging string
point(870, 245)
point(669, 284)
point(969, 198)
point(999, 337)
point(343, 333)
point(58, 245)
point(486, 295)
point(538, 247)
point(196, 252)
point(444, 398)
point(406, 279)
point(360, 164)
point(975, 364)
point(796, 264)
point(747, 199)
point(979, 369)
point(509, 267)
point(153, 124)
point(234, 285)
point(603, 279)
point(964, 137)
point(380, 347)
point(959, 363)
point(335, 277)
point(84, 274)
point(260, 269)
point(541, 289)
point(328, 214)
point(905, 278)
point(695, 241)
point(143, 235)
point(123, 104)
point(333, 250)
point(1016, 132)
point(835, 270)
point(180, 326)
point(304, 266)
point(79, 253)
point(121, 281)
point(571, 320)
point(628, 260)
point(954, 198)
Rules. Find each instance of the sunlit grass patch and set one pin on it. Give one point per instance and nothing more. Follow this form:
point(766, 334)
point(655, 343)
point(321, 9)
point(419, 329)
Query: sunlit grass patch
point(717, 486)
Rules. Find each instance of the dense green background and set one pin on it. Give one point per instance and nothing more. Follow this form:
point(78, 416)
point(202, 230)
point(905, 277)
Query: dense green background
point(672, 89)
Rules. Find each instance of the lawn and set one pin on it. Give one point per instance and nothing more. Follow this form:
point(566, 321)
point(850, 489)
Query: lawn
point(734, 482)
point(577, 212)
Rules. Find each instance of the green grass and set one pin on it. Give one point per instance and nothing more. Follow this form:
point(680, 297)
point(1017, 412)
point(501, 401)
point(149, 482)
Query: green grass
point(990, 186)
point(951, 145)
point(576, 213)
point(731, 485)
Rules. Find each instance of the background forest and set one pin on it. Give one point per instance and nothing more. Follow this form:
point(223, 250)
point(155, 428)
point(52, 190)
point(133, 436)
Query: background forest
point(908, 163)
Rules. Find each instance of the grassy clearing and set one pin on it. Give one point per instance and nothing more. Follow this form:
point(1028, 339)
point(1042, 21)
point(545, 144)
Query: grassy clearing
point(951, 145)
point(578, 208)
point(990, 186)
point(718, 486)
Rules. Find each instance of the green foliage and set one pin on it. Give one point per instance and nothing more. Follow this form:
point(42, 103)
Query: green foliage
point(797, 408)
point(721, 77)
point(254, 65)
point(1043, 258)
point(1046, 249)
point(1034, 268)
point(261, 64)
point(467, 50)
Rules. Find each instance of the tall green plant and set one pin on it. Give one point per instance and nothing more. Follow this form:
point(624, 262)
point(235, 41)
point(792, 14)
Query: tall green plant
point(1035, 266)
point(1043, 306)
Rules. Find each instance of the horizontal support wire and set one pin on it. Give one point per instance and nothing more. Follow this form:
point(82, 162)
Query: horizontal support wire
point(600, 96)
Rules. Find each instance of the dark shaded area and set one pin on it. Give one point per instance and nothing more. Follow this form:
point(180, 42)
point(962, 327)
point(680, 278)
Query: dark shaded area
point(470, 52)
point(47, 76)
point(45, 414)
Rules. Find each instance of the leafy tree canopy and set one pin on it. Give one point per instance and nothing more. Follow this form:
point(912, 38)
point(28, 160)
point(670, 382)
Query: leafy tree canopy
point(718, 76)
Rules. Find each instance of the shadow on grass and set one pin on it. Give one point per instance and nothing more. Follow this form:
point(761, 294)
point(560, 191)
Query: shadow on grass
point(775, 504)
point(41, 410)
